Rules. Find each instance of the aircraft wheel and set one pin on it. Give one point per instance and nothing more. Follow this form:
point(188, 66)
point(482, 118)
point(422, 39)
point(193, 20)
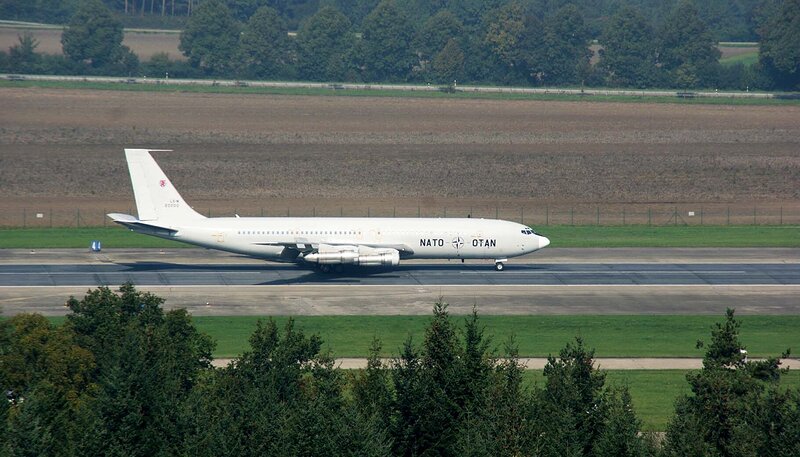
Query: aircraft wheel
point(325, 268)
point(499, 266)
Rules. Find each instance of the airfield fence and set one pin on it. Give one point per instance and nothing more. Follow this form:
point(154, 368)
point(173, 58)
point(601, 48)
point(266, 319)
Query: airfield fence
point(543, 215)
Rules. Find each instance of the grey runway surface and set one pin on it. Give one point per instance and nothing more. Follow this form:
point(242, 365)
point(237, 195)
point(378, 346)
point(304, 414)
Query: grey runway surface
point(567, 281)
point(581, 274)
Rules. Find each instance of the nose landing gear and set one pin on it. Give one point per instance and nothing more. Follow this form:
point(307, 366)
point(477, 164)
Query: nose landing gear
point(499, 264)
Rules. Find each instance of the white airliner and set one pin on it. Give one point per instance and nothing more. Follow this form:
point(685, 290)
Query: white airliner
point(326, 242)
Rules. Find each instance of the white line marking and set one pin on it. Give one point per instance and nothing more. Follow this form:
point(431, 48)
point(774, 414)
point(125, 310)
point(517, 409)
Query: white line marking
point(475, 273)
point(494, 286)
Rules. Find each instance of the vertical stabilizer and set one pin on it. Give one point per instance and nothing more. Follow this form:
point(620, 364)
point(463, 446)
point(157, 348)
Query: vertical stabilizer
point(156, 197)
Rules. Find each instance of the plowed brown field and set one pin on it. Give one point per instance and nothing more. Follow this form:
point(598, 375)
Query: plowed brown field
point(271, 154)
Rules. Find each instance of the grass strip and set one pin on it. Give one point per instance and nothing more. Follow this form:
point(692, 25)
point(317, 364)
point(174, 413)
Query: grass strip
point(72, 238)
point(747, 59)
point(536, 336)
point(191, 88)
point(561, 236)
point(695, 236)
point(654, 391)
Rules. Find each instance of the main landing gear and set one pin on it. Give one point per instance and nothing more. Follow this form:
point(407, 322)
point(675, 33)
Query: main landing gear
point(326, 268)
point(500, 265)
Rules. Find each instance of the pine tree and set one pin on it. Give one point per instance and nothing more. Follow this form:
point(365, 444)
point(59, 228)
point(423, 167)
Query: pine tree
point(728, 409)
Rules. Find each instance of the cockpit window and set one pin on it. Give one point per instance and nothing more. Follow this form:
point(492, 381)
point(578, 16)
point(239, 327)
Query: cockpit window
point(528, 231)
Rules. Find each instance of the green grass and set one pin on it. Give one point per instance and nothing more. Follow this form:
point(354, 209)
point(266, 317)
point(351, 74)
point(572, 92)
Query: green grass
point(654, 391)
point(745, 59)
point(50, 238)
point(672, 236)
point(384, 93)
point(562, 236)
point(536, 336)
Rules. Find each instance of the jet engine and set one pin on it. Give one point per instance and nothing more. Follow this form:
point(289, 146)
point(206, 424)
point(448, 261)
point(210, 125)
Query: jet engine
point(354, 255)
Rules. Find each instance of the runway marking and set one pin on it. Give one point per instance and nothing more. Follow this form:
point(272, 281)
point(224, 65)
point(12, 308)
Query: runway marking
point(35, 297)
point(317, 285)
point(475, 273)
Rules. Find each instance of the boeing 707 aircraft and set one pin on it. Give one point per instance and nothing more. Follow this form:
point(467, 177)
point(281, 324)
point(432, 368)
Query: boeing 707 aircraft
point(326, 242)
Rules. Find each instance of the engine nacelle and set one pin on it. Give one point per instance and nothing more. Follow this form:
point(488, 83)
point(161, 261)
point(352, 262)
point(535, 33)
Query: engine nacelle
point(389, 258)
point(360, 256)
point(332, 258)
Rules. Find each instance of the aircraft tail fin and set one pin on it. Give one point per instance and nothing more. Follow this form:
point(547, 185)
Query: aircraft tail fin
point(156, 197)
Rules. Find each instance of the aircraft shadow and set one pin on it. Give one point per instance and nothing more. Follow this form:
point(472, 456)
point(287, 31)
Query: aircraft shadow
point(352, 271)
point(166, 266)
point(292, 274)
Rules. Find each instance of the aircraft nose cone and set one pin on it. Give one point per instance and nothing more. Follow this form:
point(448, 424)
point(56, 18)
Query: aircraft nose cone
point(543, 242)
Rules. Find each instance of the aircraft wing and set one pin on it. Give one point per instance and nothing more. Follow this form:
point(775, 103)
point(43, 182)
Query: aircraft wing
point(304, 246)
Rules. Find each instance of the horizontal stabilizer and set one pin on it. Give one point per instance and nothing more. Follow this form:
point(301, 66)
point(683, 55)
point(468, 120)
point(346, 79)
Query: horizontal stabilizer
point(140, 226)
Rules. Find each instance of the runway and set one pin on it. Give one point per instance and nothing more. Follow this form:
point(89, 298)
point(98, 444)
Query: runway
point(431, 275)
point(561, 282)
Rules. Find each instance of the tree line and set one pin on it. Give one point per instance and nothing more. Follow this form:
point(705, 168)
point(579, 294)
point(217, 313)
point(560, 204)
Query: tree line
point(509, 44)
point(123, 377)
point(729, 20)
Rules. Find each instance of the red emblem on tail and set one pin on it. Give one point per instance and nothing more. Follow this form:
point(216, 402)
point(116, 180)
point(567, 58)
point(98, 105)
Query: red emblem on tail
point(162, 183)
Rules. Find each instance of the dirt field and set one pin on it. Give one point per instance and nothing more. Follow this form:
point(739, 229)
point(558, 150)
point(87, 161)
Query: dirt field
point(145, 45)
point(266, 154)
